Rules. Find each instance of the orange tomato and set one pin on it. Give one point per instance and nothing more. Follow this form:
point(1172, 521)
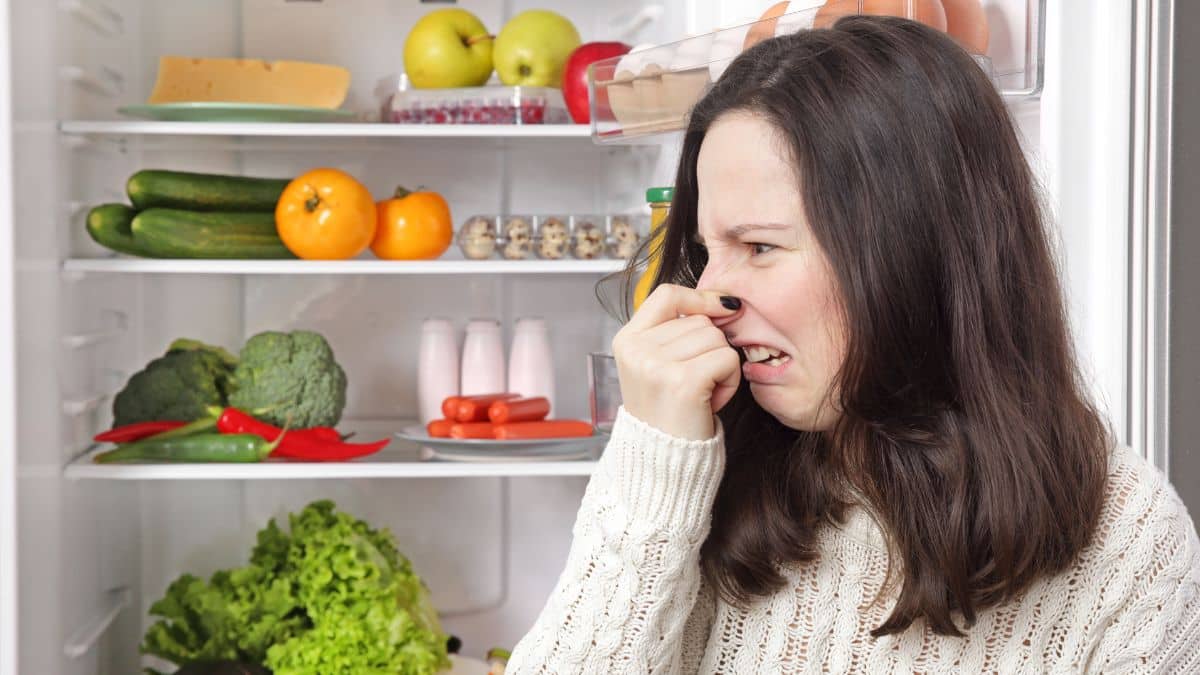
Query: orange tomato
point(325, 214)
point(413, 226)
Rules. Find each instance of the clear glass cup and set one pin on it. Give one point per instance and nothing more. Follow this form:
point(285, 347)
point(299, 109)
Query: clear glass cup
point(604, 390)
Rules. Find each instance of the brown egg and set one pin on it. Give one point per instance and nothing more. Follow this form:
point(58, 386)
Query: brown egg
point(928, 12)
point(967, 23)
point(764, 29)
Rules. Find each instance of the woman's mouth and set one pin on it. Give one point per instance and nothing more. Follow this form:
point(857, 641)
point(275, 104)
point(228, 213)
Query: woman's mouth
point(765, 365)
point(768, 356)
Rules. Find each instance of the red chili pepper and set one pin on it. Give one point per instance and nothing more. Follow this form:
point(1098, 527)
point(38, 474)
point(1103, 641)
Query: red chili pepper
point(136, 432)
point(234, 421)
point(325, 433)
point(321, 444)
point(316, 450)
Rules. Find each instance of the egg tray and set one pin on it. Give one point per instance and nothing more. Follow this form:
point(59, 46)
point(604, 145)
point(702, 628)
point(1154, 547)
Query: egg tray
point(551, 237)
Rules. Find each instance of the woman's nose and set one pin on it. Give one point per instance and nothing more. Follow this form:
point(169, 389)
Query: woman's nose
point(716, 277)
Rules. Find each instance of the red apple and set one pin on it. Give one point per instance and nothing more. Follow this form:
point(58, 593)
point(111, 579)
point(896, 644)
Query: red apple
point(574, 85)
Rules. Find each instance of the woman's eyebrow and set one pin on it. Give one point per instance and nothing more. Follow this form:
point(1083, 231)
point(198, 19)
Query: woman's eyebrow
point(738, 231)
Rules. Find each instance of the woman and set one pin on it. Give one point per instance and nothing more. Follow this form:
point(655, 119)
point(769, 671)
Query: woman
point(906, 474)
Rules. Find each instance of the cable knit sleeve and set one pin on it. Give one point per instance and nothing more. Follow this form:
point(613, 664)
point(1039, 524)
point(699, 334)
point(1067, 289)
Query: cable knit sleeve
point(1155, 594)
point(625, 601)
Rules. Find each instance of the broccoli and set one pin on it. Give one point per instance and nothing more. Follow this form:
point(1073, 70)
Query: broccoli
point(188, 344)
point(180, 385)
point(289, 378)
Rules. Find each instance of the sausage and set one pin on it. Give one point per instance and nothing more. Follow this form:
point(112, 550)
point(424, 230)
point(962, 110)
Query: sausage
point(545, 429)
point(439, 428)
point(450, 407)
point(472, 430)
point(475, 408)
point(519, 410)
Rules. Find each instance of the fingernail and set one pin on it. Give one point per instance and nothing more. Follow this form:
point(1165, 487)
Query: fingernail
point(731, 303)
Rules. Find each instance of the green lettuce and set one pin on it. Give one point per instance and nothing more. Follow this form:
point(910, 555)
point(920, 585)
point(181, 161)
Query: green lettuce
point(331, 596)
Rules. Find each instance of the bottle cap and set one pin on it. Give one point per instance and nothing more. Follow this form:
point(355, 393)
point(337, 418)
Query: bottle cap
point(660, 194)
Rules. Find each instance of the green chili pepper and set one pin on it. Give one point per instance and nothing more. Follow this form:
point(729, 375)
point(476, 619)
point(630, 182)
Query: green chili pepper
point(202, 424)
point(194, 448)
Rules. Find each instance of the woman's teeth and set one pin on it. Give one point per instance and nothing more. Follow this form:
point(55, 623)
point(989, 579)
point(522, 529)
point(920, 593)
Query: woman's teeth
point(767, 355)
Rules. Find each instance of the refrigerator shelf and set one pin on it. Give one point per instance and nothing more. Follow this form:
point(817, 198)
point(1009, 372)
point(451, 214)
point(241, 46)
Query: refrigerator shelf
point(322, 130)
point(122, 265)
point(389, 463)
point(87, 635)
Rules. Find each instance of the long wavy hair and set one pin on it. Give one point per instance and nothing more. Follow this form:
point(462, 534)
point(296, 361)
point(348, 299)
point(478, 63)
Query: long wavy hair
point(964, 425)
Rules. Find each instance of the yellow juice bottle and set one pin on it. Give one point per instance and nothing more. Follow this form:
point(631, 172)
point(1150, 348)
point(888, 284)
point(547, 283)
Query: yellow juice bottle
point(660, 202)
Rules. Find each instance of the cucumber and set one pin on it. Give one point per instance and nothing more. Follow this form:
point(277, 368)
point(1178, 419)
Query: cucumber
point(110, 225)
point(153, 188)
point(172, 233)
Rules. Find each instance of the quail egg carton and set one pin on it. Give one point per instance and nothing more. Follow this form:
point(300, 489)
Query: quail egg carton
point(551, 236)
point(475, 105)
point(651, 89)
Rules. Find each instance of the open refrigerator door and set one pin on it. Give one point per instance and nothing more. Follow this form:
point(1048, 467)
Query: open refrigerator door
point(8, 389)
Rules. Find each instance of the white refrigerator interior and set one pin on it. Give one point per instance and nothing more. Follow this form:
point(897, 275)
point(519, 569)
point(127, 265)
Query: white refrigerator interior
point(88, 549)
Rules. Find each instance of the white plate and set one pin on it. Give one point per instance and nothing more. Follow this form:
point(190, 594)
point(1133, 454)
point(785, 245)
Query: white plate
point(205, 111)
point(483, 450)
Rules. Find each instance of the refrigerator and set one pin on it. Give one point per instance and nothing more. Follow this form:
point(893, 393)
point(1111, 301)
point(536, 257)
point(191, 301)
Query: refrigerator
point(85, 549)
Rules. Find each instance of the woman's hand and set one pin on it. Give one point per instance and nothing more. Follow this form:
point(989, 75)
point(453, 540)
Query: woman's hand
point(676, 372)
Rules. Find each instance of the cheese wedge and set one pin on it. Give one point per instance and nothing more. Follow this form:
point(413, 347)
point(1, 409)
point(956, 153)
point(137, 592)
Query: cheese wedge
point(183, 79)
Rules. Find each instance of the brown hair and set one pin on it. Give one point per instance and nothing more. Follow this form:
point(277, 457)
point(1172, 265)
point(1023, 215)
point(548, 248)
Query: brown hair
point(964, 425)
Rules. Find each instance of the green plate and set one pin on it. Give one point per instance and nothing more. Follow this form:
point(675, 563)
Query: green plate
point(234, 112)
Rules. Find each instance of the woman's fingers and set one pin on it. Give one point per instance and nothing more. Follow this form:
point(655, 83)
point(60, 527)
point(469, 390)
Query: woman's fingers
point(724, 368)
point(669, 302)
point(666, 333)
point(674, 370)
point(694, 343)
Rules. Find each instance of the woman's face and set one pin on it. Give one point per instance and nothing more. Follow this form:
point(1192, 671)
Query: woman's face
point(760, 249)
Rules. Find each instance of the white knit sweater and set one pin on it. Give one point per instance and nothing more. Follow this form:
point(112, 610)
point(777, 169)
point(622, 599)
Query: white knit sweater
point(631, 599)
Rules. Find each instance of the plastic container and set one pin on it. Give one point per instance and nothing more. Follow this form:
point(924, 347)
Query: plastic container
point(625, 233)
point(517, 237)
point(474, 105)
point(553, 237)
point(477, 237)
point(652, 88)
point(589, 237)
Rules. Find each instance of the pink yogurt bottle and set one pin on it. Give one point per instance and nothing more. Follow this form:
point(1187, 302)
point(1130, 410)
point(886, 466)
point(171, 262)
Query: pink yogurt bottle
point(482, 359)
point(531, 363)
point(437, 367)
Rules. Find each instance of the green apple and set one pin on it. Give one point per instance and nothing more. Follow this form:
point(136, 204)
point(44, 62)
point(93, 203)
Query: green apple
point(533, 47)
point(448, 48)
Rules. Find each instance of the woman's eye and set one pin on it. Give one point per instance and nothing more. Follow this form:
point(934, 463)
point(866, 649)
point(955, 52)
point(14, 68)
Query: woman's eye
point(759, 249)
